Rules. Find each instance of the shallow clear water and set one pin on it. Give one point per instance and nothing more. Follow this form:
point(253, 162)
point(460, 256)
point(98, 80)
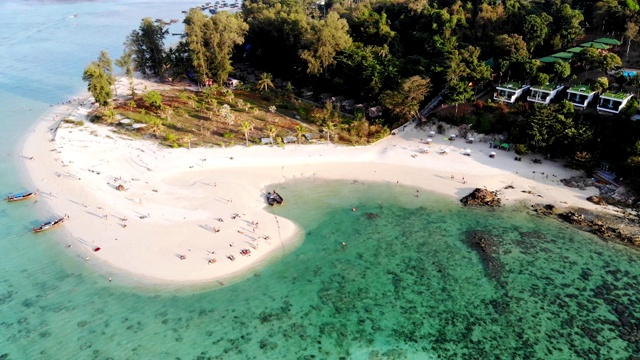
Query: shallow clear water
point(407, 284)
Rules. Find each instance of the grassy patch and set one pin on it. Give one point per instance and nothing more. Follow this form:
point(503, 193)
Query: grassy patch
point(202, 118)
point(73, 122)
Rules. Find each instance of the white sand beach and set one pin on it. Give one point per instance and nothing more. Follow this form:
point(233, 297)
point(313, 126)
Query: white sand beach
point(163, 226)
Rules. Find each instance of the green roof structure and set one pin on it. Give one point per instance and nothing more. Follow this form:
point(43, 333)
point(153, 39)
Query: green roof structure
point(563, 55)
point(510, 85)
point(549, 59)
point(608, 41)
point(614, 95)
point(595, 45)
point(582, 89)
point(575, 50)
point(546, 87)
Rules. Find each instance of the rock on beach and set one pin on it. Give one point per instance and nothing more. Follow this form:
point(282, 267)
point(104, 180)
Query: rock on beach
point(481, 197)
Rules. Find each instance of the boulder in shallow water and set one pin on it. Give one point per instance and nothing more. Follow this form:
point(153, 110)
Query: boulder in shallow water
point(481, 197)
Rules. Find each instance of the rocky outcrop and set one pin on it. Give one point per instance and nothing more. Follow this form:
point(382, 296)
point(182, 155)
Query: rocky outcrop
point(596, 200)
point(548, 209)
point(579, 182)
point(481, 197)
point(620, 227)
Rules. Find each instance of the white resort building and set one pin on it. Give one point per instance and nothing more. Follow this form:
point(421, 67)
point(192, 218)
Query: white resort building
point(509, 92)
point(580, 95)
point(543, 94)
point(612, 102)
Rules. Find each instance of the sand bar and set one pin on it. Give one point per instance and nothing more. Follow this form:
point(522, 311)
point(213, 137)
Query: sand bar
point(186, 213)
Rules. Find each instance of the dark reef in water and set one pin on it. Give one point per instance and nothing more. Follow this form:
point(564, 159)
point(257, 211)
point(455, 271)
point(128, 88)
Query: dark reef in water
point(484, 244)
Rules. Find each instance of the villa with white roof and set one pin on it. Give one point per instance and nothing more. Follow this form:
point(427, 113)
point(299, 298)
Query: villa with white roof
point(543, 94)
point(580, 95)
point(613, 102)
point(509, 92)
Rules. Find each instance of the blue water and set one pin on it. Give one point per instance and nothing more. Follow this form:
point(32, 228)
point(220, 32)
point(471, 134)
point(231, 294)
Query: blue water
point(407, 286)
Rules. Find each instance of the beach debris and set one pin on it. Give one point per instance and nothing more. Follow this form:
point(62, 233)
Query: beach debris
point(120, 187)
point(481, 197)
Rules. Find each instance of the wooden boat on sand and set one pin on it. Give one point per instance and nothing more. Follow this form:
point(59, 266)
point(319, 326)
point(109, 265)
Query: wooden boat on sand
point(274, 198)
point(51, 224)
point(22, 196)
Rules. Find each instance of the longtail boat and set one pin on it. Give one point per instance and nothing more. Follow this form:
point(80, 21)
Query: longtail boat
point(51, 224)
point(274, 198)
point(21, 196)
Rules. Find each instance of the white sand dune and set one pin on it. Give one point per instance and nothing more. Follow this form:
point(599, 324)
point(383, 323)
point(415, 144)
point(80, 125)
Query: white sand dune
point(174, 197)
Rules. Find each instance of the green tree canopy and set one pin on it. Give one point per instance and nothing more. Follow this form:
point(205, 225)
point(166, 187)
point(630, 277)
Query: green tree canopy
point(535, 29)
point(197, 28)
point(125, 62)
point(326, 38)
point(404, 103)
point(147, 46)
point(100, 79)
point(227, 31)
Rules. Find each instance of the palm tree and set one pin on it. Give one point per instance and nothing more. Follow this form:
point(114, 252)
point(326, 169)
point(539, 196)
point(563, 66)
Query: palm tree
point(155, 124)
point(188, 138)
point(271, 130)
point(329, 127)
point(265, 82)
point(246, 127)
point(300, 133)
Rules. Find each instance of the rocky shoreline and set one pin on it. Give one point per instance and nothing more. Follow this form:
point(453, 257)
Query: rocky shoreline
point(623, 225)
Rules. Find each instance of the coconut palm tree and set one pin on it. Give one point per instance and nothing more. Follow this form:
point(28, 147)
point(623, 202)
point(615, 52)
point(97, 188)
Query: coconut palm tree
point(272, 131)
point(328, 128)
point(189, 138)
point(246, 127)
point(300, 133)
point(265, 82)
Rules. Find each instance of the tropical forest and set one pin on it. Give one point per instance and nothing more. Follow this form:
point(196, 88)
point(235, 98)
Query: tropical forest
point(349, 72)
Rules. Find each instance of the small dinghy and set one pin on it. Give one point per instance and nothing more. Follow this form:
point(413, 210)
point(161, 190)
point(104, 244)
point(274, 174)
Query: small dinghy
point(274, 198)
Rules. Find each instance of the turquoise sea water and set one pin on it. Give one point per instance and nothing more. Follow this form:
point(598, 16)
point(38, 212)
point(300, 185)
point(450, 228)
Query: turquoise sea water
point(407, 285)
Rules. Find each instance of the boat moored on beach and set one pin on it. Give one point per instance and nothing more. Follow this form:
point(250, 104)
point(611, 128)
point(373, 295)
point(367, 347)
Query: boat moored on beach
point(51, 224)
point(274, 198)
point(21, 196)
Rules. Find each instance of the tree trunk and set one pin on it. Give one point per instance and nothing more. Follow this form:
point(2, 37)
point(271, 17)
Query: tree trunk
point(628, 46)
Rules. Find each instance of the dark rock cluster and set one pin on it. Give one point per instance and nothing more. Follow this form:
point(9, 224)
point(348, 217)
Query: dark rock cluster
point(624, 229)
point(486, 247)
point(579, 182)
point(481, 197)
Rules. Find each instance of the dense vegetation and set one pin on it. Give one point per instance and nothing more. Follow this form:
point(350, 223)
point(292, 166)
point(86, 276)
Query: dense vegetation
point(401, 54)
